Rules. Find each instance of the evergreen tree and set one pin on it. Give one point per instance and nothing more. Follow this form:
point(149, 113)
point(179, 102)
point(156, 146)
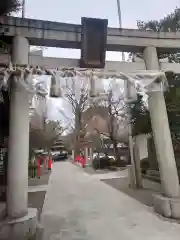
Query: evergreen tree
point(171, 23)
point(9, 6)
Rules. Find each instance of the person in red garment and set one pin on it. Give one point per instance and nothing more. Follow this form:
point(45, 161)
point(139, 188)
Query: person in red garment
point(50, 163)
point(83, 161)
point(80, 160)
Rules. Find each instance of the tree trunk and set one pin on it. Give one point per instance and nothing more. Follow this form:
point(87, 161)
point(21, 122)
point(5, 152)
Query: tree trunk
point(128, 156)
point(77, 133)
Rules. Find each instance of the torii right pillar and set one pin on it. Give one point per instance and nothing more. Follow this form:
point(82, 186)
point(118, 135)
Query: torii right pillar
point(167, 204)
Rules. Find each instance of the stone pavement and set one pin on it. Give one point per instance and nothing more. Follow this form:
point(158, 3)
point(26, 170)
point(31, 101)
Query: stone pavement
point(80, 207)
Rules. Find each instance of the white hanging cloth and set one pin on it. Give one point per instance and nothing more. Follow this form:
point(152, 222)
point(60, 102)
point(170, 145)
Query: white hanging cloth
point(55, 88)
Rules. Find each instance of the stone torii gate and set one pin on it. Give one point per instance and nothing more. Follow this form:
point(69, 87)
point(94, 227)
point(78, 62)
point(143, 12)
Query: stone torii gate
point(17, 211)
point(17, 221)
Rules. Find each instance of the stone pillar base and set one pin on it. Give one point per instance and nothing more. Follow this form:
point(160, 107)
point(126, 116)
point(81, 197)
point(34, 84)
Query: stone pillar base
point(167, 207)
point(131, 177)
point(22, 229)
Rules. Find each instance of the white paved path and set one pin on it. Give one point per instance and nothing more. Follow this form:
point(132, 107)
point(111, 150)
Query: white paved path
point(80, 207)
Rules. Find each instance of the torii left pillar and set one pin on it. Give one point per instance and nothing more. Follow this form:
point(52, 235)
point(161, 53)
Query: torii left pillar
point(19, 219)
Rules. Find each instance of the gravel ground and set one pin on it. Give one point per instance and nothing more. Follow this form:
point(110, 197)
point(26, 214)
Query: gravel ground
point(43, 180)
point(36, 200)
point(144, 195)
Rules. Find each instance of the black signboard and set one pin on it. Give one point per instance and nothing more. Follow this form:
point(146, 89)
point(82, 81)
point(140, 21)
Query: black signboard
point(93, 43)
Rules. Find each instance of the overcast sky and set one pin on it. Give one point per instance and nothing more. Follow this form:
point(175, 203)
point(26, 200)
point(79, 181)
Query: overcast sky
point(71, 11)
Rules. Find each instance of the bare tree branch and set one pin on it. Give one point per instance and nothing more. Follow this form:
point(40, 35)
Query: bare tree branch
point(45, 138)
point(79, 104)
point(115, 116)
